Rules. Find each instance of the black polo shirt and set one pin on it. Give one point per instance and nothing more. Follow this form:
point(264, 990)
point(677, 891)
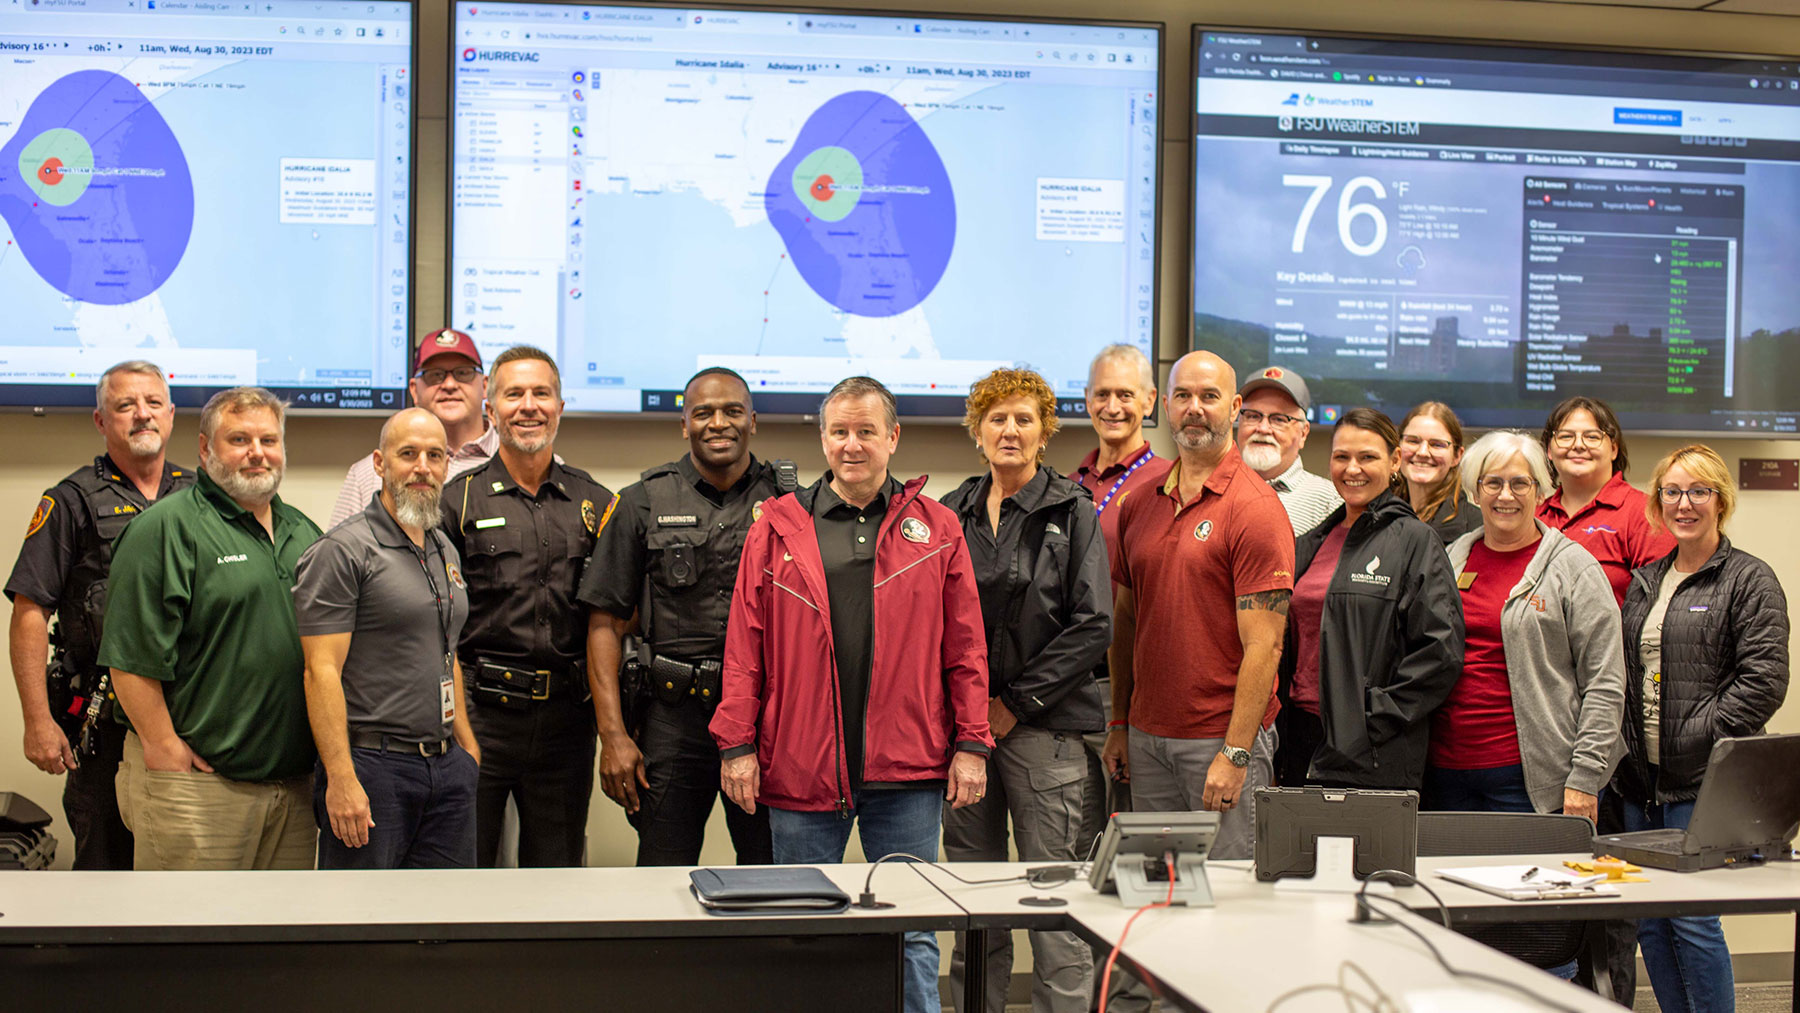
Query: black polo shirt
point(522, 557)
point(847, 537)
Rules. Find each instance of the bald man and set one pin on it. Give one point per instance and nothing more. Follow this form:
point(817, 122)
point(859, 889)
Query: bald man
point(1193, 696)
point(381, 602)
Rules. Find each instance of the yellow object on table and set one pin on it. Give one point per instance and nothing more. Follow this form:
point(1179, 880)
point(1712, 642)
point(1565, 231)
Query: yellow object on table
point(1616, 870)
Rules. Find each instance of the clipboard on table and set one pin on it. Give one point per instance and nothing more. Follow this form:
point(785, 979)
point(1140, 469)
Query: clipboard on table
point(1530, 882)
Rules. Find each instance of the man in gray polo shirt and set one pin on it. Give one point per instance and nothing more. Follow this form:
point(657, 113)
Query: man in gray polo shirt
point(381, 602)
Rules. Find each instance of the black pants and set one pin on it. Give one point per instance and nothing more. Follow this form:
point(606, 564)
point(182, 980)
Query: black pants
point(1621, 934)
point(91, 802)
point(542, 758)
point(1301, 735)
point(682, 763)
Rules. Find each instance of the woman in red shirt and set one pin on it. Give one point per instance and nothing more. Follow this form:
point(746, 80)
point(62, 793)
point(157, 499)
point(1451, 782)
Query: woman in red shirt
point(1593, 504)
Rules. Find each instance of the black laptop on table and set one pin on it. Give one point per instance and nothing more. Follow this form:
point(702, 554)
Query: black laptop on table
point(1748, 810)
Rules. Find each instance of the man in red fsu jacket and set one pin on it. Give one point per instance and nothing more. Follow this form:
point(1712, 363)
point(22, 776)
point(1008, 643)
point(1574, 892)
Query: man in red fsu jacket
point(856, 684)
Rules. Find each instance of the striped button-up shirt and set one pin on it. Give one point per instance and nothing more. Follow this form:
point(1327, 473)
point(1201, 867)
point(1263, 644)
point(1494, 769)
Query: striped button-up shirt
point(1308, 498)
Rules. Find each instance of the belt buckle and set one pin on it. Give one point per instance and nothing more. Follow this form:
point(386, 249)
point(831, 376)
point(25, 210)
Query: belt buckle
point(540, 684)
point(425, 750)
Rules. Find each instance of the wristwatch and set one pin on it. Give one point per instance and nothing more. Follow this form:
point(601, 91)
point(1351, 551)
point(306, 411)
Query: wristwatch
point(1238, 756)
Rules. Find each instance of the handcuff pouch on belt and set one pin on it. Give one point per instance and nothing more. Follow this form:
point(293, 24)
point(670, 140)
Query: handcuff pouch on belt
point(672, 681)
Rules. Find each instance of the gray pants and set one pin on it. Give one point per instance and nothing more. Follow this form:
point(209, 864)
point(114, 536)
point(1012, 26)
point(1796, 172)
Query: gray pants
point(1169, 775)
point(1035, 776)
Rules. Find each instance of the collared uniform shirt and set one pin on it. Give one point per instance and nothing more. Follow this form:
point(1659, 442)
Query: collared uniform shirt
point(523, 557)
point(1614, 528)
point(361, 481)
point(404, 607)
point(63, 535)
point(1307, 498)
point(624, 559)
point(201, 600)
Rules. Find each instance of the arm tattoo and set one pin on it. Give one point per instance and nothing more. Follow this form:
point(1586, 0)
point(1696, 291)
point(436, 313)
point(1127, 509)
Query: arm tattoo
point(1265, 601)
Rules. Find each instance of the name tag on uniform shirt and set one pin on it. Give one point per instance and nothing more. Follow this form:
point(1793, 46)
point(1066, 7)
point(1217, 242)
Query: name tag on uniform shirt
point(1465, 580)
point(677, 521)
point(491, 522)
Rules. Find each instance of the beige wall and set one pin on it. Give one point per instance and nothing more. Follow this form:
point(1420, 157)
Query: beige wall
point(42, 450)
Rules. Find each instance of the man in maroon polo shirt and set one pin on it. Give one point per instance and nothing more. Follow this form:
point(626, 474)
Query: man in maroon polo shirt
point(1196, 693)
point(1121, 390)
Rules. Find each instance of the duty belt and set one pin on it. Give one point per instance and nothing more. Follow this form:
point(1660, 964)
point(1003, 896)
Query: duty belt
point(518, 686)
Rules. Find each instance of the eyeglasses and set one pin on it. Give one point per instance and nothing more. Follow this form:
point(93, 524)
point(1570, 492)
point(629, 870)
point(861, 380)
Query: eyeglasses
point(1698, 495)
point(1253, 418)
point(1592, 439)
point(433, 377)
point(1520, 486)
point(1415, 442)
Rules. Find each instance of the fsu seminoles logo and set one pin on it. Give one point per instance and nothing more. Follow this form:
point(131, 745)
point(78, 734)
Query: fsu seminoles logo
point(446, 339)
point(1203, 530)
point(1273, 373)
point(914, 530)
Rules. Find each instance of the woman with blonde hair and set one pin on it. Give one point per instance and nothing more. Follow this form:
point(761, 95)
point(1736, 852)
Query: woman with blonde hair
point(1706, 656)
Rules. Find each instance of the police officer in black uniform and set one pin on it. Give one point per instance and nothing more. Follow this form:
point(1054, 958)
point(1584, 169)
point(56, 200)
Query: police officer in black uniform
point(62, 568)
point(524, 524)
point(667, 558)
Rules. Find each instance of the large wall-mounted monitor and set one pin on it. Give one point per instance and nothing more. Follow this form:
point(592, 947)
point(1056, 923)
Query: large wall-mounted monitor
point(1500, 227)
point(219, 186)
point(801, 196)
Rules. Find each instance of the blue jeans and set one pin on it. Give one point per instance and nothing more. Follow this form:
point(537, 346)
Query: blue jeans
point(1688, 961)
point(1488, 790)
point(889, 820)
point(1491, 790)
point(423, 808)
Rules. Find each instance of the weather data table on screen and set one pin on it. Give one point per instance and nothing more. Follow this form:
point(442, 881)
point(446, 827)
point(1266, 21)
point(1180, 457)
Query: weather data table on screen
point(220, 187)
point(801, 197)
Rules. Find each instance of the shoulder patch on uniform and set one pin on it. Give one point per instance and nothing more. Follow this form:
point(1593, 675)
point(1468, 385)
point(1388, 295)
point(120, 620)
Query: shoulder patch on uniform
point(756, 511)
point(455, 575)
point(915, 530)
point(590, 519)
point(611, 505)
point(40, 515)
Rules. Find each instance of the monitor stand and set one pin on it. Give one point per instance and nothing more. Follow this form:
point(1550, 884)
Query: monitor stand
point(1333, 872)
point(1131, 874)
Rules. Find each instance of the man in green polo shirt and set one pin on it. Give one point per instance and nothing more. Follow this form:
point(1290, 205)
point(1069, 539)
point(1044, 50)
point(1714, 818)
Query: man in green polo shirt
point(205, 654)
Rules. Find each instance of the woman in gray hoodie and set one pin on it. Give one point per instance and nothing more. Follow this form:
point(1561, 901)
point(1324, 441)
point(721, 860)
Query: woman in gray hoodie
point(1534, 723)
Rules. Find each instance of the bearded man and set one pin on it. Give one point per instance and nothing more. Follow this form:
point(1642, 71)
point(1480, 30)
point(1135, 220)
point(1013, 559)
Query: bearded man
point(204, 653)
point(1271, 431)
point(381, 602)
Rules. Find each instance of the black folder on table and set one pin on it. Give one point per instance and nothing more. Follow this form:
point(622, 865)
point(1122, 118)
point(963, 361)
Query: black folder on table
point(767, 890)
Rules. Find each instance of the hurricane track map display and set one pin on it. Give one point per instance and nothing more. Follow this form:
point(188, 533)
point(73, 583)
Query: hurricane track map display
point(800, 198)
point(226, 194)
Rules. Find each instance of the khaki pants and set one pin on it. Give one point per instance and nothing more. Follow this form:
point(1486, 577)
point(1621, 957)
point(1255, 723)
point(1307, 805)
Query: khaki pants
point(204, 821)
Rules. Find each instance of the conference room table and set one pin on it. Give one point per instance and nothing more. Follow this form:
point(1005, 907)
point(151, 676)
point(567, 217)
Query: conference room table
point(1259, 946)
point(1767, 888)
point(475, 939)
point(471, 939)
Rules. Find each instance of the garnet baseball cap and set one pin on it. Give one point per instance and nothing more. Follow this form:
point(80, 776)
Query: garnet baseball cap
point(1285, 380)
point(447, 342)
